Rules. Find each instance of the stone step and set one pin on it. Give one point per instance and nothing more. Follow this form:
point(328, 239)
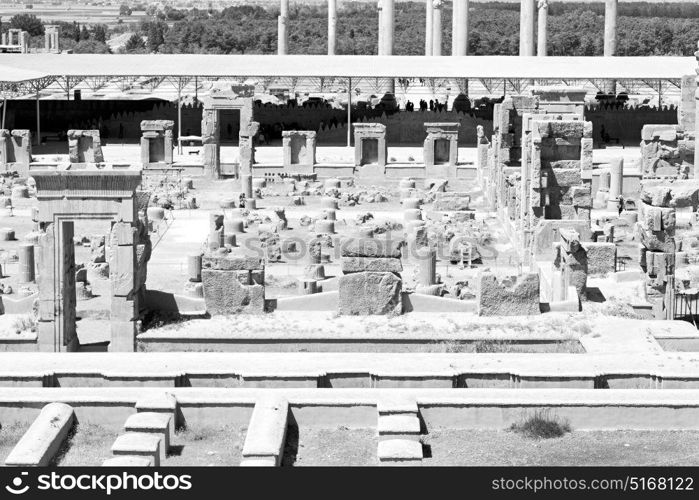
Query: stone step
point(403, 426)
point(140, 444)
point(128, 461)
point(153, 423)
point(397, 406)
point(400, 452)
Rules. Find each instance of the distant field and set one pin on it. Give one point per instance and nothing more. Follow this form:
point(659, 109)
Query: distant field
point(69, 13)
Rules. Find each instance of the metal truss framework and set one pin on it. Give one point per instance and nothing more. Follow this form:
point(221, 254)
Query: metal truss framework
point(339, 84)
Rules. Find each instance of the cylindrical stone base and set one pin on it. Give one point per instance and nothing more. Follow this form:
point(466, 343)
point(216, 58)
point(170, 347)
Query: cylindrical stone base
point(229, 240)
point(7, 234)
point(194, 267)
point(26, 263)
point(309, 286)
point(329, 214)
point(20, 192)
point(412, 214)
point(325, 226)
point(328, 202)
point(251, 203)
point(406, 184)
point(332, 184)
point(246, 185)
point(315, 271)
point(409, 203)
point(234, 226)
point(427, 267)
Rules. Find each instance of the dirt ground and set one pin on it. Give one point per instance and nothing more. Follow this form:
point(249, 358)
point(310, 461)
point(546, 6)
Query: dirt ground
point(459, 447)
point(330, 447)
point(216, 445)
point(10, 434)
point(89, 445)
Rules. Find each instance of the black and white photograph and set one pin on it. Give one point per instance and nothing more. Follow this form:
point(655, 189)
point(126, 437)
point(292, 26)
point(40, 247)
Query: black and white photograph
point(352, 234)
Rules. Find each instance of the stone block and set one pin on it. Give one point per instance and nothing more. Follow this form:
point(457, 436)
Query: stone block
point(368, 293)
point(371, 247)
point(601, 258)
point(232, 263)
point(375, 264)
point(224, 294)
point(44, 438)
point(510, 296)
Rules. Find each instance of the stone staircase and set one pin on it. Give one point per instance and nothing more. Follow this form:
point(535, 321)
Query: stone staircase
point(399, 433)
point(148, 434)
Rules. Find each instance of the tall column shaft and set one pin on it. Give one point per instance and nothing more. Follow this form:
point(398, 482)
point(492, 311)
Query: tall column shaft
point(610, 15)
point(381, 33)
point(437, 30)
point(282, 28)
point(526, 28)
point(542, 38)
point(696, 125)
point(389, 20)
point(459, 41)
point(332, 26)
point(429, 20)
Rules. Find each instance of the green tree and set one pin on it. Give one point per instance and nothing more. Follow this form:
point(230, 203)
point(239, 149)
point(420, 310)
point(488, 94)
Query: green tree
point(135, 44)
point(84, 34)
point(27, 22)
point(91, 47)
point(100, 33)
point(124, 10)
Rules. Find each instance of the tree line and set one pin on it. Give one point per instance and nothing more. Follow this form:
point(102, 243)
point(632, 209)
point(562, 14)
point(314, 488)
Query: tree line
point(574, 29)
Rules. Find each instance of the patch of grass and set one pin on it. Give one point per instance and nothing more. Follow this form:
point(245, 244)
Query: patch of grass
point(507, 346)
point(24, 323)
point(542, 424)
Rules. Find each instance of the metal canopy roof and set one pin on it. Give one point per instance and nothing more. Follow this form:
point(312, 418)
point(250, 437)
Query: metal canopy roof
point(15, 68)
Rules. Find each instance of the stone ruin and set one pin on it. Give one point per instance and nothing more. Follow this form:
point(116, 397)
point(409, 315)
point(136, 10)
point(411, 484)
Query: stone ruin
point(16, 150)
point(156, 143)
point(516, 295)
point(299, 150)
point(441, 148)
point(667, 151)
point(68, 194)
point(84, 146)
point(232, 284)
point(371, 282)
point(240, 99)
point(370, 145)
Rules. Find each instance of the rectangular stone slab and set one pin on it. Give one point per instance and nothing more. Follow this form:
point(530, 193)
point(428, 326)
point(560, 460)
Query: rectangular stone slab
point(375, 264)
point(232, 263)
point(370, 247)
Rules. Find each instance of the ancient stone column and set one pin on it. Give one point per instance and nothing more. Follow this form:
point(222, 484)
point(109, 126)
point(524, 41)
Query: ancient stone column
point(194, 267)
point(332, 26)
point(429, 20)
point(282, 32)
point(459, 37)
point(616, 182)
point(388, 18)
point(526, 28)
point(437, 28)
point(26, 263)
point(427, 268)
point(696, 95)
point(379, 7)
point(542, 39)
point(610, 15)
